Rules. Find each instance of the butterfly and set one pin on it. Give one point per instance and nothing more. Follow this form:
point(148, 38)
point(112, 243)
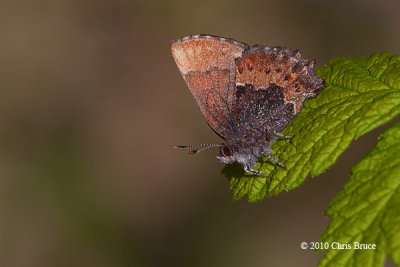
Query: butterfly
point(246, 94)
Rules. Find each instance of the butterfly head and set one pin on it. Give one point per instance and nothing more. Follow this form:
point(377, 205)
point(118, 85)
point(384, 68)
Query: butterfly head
point(230, 153)
point(226, 153)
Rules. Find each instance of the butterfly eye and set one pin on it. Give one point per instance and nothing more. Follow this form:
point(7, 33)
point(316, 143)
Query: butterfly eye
point(226, 151)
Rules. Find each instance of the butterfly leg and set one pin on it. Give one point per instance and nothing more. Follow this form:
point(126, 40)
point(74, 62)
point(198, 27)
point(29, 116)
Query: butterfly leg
point(254, 172)
point(283, 136)
point(274, 160)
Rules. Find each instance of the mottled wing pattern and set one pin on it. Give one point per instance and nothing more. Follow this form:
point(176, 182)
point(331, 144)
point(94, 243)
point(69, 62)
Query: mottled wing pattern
point(261, 113)
point(263, 66)
point(207, 65)
point(272, 85)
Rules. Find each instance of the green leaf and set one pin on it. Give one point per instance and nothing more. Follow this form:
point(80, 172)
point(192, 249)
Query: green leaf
point(367, 210)
point(360, 95)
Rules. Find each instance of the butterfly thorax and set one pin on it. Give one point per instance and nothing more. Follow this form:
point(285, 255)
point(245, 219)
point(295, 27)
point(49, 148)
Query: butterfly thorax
point(245, 151)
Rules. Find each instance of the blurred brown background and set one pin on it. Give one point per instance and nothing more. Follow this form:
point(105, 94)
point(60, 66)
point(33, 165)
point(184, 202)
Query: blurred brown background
point(92, 104)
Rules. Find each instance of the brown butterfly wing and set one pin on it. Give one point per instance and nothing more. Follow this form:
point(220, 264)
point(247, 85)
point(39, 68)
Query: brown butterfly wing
point(263, 66)
point(207, 65)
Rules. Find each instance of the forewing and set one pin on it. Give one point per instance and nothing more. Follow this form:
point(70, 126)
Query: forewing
point(207, 65)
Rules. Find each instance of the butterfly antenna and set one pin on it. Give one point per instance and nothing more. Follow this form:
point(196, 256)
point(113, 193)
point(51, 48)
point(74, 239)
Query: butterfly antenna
point(199, 147)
